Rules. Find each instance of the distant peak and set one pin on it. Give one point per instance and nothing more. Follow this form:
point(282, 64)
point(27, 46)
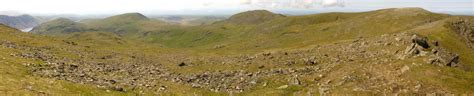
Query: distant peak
point(130, 16)
point(133, 14)
point(258, 11)
point(410, 9)
point(63, 20)
point(406, 10)
point(253, 17)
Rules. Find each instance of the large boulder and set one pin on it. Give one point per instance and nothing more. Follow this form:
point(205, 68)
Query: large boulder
point(420, 46)
point(442, 57)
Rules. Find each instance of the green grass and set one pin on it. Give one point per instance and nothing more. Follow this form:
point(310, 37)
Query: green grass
point(132, 34)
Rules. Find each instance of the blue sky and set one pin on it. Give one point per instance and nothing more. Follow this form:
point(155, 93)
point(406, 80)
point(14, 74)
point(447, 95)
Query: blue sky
point(210, 7)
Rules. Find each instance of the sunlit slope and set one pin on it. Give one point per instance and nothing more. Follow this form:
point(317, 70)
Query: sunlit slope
point(294, 31)
point(16, 79)
point(125, 25)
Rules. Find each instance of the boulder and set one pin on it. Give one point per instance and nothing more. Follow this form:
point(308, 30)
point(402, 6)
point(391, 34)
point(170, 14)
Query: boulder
point(295, 81)
point(182, 64)
point(418, 46)
point(444, 58)
point(420, 40)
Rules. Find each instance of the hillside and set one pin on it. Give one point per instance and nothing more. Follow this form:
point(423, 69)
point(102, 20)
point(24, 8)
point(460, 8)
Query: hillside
point(59, 26)
point(388, 51)
point(127, 24)
point(294, 31)
point(20, 22)
point(253, 17)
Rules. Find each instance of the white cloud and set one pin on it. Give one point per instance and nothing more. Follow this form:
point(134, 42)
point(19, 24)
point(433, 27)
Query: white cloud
point(332, 3)
point(293, 3)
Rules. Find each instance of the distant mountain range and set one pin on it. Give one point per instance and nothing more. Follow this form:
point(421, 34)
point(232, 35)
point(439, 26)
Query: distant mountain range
point(21, 22)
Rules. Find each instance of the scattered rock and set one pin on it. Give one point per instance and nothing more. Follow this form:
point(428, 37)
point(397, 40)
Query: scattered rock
point(310, 61)
point(398, 39)
point(70, 42)
point(267, 54)
point(218, 46)
point(437, 55)
point(120, 89)
point(182, 64)
point(444, 58)
point(419, 44)
point(421, 41)
point(404, 69)
point(162, 88)
point(324, 89)
point(295, 81)
point(283, 87)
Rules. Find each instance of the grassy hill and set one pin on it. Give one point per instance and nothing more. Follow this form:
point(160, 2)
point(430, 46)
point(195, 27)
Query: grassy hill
point(388, 51)
point(128, 24)
point(59, 26)
point(295, 31)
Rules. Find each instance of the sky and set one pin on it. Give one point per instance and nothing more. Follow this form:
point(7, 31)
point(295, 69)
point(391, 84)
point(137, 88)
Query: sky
point(211, 7)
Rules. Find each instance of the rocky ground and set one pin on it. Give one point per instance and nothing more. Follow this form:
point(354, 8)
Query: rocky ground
point(369, 65)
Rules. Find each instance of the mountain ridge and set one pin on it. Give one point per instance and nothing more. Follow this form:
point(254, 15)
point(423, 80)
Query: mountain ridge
point(19, 22)
point(253, 17)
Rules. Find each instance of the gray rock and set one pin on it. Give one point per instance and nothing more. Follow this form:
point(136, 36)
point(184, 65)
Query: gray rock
point(421, 41)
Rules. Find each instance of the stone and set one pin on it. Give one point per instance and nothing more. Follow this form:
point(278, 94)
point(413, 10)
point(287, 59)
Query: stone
point(404, 69)
point(261, 66)
point(323, 89)
point(283, 87)
point(445, 58)
point(120, 89)
point(435, 43)
point(195, 85)
point(267, 54)
point(295, 81)
point(453, 61)
point(398, 39)
point(182, 64)
point(310, 61)
point(421, 41)
point(162, 88)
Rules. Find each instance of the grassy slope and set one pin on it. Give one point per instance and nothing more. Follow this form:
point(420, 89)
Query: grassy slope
point(293, 31)
point(455, 78)
point(301, 31)
point(15, 79)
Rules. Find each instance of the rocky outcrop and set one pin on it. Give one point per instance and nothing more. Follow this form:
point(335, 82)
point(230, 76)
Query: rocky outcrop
point(420, 46)
point(465, 28)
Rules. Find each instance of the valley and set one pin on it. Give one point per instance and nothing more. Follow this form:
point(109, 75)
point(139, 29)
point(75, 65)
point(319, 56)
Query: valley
point(398, 51)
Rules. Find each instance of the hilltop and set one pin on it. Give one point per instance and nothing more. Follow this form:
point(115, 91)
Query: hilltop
point(128, 23)
point(59, 26)
point(388, 51)
point(253, 17)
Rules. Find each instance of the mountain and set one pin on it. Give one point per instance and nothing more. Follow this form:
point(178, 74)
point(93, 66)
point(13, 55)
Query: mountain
point(59, 26)
point(128, 23)
point(190, 20)
point(253, 17)
point(19, 22)
point(387, 51)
